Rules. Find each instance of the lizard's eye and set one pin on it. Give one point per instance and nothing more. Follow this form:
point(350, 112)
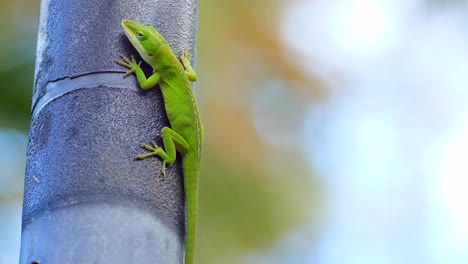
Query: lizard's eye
point(140, 35)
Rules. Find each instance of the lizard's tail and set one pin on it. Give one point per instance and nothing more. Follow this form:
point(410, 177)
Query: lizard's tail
point(191, 176)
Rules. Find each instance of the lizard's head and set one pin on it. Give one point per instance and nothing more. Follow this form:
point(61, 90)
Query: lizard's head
point(145, 39)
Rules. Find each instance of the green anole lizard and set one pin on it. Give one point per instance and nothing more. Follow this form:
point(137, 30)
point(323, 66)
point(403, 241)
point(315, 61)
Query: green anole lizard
point(186, 132)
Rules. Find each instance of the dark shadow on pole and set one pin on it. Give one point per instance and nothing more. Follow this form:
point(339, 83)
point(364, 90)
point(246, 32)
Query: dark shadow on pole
point(87, 200)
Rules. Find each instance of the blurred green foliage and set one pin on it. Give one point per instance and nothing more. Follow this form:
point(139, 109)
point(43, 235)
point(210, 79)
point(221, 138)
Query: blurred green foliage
point(15, 96)
point(18, 45)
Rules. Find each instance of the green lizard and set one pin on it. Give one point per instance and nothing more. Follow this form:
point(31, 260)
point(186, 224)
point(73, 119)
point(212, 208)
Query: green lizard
point(186, 132)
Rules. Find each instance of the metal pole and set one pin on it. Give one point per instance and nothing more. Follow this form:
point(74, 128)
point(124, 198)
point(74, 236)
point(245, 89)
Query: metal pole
point(87, 200)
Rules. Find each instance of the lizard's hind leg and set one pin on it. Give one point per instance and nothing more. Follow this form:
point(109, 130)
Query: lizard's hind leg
point(173, 142)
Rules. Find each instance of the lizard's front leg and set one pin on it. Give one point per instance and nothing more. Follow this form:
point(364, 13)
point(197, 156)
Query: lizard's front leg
point(145, 83)
point(173, 142)
point(189, 71)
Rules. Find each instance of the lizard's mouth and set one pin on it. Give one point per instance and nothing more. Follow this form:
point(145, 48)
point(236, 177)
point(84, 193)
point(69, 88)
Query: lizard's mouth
point(127, 27)
point(130, 29)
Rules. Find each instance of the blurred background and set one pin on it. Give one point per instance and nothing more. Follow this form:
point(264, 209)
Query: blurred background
point(336, 130)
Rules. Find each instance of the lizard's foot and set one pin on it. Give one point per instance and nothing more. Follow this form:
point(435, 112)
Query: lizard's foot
point(131, 64)
point(189, 72)
point(185, 56)
point(155, 151)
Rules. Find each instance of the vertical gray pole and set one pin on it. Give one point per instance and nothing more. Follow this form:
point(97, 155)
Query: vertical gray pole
point(87, 200)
